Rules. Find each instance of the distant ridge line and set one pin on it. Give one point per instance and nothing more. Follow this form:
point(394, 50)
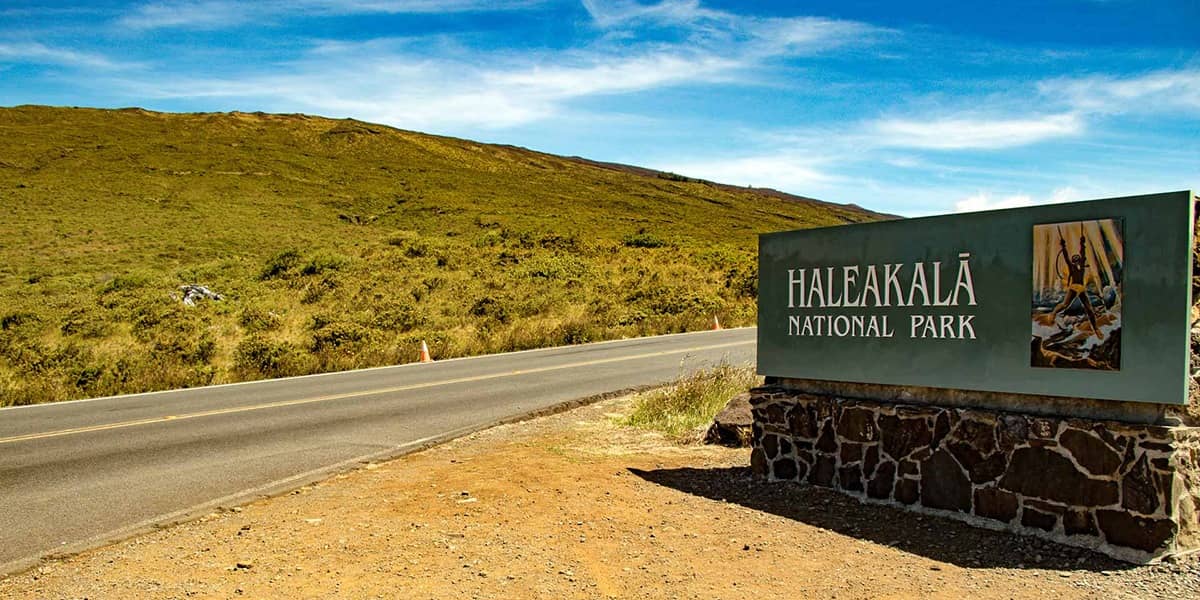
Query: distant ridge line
point(763, 191)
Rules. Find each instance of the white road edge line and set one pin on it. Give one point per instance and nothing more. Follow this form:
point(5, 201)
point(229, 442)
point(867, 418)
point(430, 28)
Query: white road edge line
point(368, 369)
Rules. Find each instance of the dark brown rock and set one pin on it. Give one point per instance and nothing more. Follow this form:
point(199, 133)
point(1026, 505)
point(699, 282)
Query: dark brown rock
point(997, 504)
point(775, 414)
point(828, 442)
point(979, 435)
point(1138, 492)
point(1014, 431)
point(758, 462)
point(943, 483)
point(822, 472)
point(880, 485)
point(1091, 452)
point(1123, 529)
point(733, 425)
point(870, 459)
point(1117, 443)
point(1043, 428)
point(965, 454)
point(941, 428)
point(785, 446)
point(907, 467)
point(805, 456)
point(857, 425)
point(1079, 522)
point(989, 468)
point(1043, 473)
point(851, 452)
point(1031, 517)
point(906, 491)
point(902, 436)
point(771, 445)
point(785, 468)
point(802, 422)
point(850, 478)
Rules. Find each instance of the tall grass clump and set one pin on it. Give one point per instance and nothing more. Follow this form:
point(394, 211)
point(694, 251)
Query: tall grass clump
point(690, 402)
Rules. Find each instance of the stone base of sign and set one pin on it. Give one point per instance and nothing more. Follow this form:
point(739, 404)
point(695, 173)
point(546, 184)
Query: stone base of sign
point(1131, 491)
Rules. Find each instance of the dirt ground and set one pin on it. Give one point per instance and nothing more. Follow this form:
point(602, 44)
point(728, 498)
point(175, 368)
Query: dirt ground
point(573, 506)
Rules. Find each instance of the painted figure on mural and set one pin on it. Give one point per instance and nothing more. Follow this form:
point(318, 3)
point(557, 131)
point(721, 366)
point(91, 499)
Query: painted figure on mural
point(1076, 267)
point(1077, 296)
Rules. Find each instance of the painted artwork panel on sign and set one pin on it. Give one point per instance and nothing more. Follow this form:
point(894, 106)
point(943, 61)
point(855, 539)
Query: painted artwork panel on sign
point(1077, 295)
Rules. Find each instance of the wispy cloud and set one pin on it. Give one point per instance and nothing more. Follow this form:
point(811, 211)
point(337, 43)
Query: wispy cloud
point(959, 133)
point(219, 14)
point(987, 201)
point(402, 83)
point(1171, 89)
point(784, 171)
point(612, 13)
point(415, 92)
point(34, 52)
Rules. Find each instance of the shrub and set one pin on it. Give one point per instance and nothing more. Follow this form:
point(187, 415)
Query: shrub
point(280, 264)
point(315, 290)
point(128, 281)
point(492, 308)
point(257, 354)
point(256, 319)
point(643, 240)
point(397, 317)
point(674, 300)
point(557, 266)
point(338, 335)
point(690, 402)
point(14, 320)
point(323, 262)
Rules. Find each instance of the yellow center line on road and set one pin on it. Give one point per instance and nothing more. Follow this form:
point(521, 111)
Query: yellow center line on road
point(402, 388)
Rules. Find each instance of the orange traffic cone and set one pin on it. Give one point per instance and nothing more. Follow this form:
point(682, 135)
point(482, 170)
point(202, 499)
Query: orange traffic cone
point(716, 324)
point(424, 353)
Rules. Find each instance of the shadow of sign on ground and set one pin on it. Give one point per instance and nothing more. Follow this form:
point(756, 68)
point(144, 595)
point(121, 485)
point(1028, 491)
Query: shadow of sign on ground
point(936, 538)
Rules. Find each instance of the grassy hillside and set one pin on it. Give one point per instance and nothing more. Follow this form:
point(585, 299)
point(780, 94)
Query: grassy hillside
point(338, 244)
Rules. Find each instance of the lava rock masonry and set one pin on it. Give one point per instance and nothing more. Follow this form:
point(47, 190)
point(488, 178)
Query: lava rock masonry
point(1129, 491)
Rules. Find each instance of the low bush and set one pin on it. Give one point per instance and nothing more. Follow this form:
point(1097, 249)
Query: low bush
point(691, 402)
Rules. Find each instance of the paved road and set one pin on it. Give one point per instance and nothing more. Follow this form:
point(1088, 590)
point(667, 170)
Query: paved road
point(77, 474)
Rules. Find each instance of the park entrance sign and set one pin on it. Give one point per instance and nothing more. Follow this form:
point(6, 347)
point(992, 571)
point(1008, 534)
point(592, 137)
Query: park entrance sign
point(1083, 300)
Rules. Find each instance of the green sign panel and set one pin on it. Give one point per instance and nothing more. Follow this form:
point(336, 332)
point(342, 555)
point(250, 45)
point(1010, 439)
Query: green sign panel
point(1087, 299)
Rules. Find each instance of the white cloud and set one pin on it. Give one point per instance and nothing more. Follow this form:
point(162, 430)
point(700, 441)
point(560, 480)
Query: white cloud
point(959, 133)
point(33, 52)
point(780, 171)
point(218, 14)
point(405, 84)
point(415, 92)
point(986, 201)
point(611, 13)
point(1156, 91)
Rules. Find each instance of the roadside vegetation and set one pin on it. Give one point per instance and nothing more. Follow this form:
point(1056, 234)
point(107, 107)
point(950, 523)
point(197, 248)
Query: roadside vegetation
point(336, 245)
point(681, 409)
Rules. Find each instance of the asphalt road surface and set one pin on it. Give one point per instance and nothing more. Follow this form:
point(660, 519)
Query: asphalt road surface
point(75, 475)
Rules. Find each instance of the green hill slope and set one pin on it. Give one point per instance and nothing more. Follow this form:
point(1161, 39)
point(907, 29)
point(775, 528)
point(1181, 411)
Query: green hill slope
point(338, 244)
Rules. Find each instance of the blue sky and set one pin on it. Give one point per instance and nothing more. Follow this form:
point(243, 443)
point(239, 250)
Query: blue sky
point(913, 108)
